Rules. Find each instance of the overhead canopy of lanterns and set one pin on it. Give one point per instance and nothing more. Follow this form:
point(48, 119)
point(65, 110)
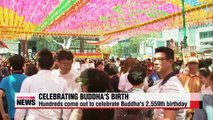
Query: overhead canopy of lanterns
point(94, 18)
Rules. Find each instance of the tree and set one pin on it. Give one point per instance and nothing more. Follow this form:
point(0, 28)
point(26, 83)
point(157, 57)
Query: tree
point(65, 42)
point(134, 44)
point(117, 49)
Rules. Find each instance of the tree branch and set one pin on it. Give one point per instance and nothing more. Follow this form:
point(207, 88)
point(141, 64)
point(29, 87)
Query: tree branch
point(58, 43)
point(69, 42)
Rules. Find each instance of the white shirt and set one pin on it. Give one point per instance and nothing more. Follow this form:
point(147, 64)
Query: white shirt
point(173, 85)
point(91, 65)
point(43, 81)
point(124, 84)
point(70, 77)
point(84, 66)
point(76, 66)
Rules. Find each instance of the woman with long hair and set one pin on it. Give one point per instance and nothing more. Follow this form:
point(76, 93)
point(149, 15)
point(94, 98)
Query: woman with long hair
point(124, 84)
point(207, 91)
point(206, 77)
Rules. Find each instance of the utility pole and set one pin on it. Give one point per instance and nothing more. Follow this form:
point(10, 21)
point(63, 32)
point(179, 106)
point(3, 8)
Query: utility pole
point(184, 25)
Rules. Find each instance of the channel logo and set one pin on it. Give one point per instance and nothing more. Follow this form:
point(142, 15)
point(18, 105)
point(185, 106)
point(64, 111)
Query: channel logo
point(25, 101)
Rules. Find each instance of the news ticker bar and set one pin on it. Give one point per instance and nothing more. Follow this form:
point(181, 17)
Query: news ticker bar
point(107, 100)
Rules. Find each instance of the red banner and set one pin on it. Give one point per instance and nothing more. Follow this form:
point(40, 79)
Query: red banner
point(87, 55)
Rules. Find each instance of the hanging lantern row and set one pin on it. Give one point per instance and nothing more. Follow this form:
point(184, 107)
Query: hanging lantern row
point(56, 13)
point(110, 13)
point(50, 33)
point(72, 9)
point(25, 13)
point(106, 16)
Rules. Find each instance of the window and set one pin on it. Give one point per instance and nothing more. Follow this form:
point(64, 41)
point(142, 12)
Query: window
point(207, 34)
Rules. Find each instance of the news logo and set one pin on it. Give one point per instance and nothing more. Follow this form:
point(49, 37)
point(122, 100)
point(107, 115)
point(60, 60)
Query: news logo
point(25, 101)
point(106, 100)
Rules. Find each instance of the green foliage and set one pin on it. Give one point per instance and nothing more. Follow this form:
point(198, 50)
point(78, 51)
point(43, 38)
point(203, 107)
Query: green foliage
point(134, 44)
point(49, 38)
point(117, 49)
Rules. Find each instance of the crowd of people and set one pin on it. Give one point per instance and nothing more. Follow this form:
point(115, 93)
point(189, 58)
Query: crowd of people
point(63, 73)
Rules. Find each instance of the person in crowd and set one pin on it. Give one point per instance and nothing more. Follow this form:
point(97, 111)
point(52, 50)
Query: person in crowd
point(205, 75)
point(105, 60)
point(112, 60)
point(172, 44)
point(65, 62)
point(117, 62)
point(136, 77)
point(149, 66)
point(91, 64)
point(209, 63)
point(94, 80)
point(1, 75)
point(55, 66)
point(86, 60)
point(207, 91)
point(112, 70)
point(43, 81)
point(99, 65)
point(120, 67)
point(124, 84)
point(191, 81)
point(163, 65)
point(84, 64)
point(153, 77)
point(31, 69)
point(5, 70)
point(177, 66)
point(11, 85)
point(206, 112)
point(202, 64)
point(3, 98)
